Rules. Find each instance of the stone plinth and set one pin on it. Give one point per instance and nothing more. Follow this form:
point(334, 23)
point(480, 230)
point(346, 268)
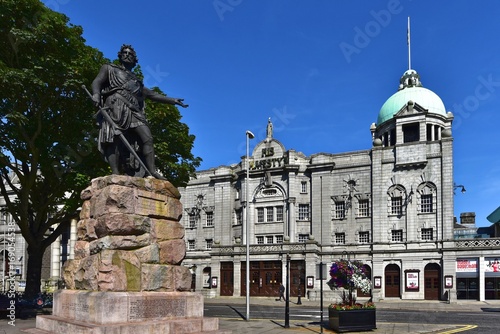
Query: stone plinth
point(120, 307)
point(126, 312)
point(126, 276)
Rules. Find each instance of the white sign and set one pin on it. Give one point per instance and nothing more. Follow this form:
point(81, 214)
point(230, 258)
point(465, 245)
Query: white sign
point(466, 265)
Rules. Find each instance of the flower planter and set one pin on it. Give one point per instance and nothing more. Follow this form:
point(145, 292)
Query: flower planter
point(352, 320)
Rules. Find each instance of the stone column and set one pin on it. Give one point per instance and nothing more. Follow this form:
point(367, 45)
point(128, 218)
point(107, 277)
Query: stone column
point(56, 259)
point(72, 239)
point(291, 223)
point(481, 270)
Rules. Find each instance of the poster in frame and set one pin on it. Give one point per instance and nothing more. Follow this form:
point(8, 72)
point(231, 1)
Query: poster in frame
point(310, 282)
point(448, 282)
point(412, 280)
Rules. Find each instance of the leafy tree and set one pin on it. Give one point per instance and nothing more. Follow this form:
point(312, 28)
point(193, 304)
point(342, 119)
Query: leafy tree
point(47, 127)
point(173, 143)
point(48, 151)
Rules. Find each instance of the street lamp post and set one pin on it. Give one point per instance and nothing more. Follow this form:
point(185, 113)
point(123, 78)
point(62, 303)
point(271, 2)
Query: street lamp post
point(321, 294)
point(285, 256)
point(249, 135)
point(287, 295)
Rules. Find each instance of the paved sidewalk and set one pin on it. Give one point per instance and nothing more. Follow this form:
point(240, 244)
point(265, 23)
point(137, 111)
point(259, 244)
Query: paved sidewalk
point(395, 304)
point(266, 326)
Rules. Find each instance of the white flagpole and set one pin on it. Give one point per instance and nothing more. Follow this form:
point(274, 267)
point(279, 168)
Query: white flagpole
point(409, 44)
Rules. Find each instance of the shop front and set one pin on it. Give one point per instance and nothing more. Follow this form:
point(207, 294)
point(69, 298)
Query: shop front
point(467, 279)
point(492, 278)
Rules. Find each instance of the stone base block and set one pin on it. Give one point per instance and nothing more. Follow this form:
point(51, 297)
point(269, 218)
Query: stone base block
point(116, 307)
point(49, 324)
point(89, 312)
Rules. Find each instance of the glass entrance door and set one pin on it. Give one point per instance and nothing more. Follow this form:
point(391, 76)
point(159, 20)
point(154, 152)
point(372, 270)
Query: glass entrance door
point(468, 288)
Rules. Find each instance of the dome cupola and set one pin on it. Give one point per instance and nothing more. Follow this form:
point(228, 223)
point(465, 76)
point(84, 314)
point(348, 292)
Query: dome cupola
point(410, 89)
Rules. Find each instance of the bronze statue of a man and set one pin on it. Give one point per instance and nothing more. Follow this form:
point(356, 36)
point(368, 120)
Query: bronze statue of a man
point(121, 94)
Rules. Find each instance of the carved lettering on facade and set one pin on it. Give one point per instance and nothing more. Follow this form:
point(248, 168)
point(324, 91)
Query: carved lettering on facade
point(268, 163)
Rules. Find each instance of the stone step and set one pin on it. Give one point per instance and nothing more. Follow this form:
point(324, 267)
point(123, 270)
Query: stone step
point(34, 331)
point(41, 331)
point(49, 324)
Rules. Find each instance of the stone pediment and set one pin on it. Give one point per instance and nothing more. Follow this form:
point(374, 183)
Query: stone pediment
point(411, 108)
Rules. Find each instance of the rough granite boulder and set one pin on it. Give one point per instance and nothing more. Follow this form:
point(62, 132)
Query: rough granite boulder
point(129, 237)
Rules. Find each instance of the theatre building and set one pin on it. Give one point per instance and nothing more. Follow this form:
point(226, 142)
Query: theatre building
point(389, 206)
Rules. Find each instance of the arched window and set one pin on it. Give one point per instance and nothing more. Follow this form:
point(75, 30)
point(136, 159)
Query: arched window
point(426, 197)
point(396, 198)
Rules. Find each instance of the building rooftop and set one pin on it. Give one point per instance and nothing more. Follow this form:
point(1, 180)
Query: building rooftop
point(494, 217)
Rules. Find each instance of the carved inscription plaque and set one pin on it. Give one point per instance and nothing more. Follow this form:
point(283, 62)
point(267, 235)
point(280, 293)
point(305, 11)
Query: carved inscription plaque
point(161, 206)
point(75, 308)
point(156, 308)
point(149, 202)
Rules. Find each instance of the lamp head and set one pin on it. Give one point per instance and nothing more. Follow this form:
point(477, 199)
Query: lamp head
point(455, 186)
point(250, 134)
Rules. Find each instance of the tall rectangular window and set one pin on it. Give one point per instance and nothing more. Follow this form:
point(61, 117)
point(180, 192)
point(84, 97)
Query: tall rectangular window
point(427, 234)
point(397, 235)
point(426, 203)
point(192, 221)
point(210, 219)
point(364, 237)
point(340, 238)
point(260, 240)
point(363, 208)
point(279, 239)
point(239, 217)
point(260, 215)
point(303, 211)
point(340, 210)
point(210, 242)
point(191, 245)
point(397, 205)
point(303, 187)
point(269, 214)
point(279, 213)
point(269, 239)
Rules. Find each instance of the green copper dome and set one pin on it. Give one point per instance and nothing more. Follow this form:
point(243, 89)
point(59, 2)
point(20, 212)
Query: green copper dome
point(411, 89)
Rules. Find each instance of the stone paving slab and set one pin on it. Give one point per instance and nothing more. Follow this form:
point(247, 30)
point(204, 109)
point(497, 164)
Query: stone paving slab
point(266, 326)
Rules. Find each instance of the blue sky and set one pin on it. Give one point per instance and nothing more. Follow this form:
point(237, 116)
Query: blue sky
point(320, 69)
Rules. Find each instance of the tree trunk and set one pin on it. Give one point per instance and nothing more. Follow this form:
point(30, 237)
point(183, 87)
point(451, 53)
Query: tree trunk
point(34, 271)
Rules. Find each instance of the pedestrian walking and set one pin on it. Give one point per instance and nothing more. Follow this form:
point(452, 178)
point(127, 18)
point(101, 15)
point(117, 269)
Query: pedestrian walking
point(282, 292)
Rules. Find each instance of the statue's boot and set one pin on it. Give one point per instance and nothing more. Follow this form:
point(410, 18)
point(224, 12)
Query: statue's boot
point(149, 161)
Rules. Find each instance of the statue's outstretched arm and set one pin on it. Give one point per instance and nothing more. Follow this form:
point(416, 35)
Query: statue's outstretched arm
point(154, 96)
